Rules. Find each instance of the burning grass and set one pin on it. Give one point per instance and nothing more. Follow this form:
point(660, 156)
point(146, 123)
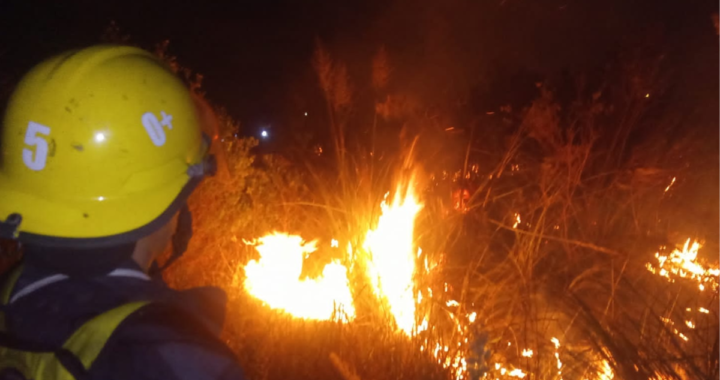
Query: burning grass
point(415, 294)
point(366, 270)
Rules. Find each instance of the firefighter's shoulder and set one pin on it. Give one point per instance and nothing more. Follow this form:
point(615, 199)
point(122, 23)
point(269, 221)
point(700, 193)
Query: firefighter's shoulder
point(162, 341)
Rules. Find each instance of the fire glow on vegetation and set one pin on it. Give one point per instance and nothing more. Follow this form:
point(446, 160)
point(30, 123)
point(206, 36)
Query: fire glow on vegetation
point(391, 256)
point(675, 331)
point(275, 279)
point(685, 264)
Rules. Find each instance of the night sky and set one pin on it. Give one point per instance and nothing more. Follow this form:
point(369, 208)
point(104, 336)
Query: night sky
point(255, 55)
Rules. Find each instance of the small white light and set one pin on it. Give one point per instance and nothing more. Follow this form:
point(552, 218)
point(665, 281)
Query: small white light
point(101, 199)
point(305, 113)
point(99, 137)
point(264, 134)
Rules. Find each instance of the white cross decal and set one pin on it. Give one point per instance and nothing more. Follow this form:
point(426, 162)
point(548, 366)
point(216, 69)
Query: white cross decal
point(166, 120)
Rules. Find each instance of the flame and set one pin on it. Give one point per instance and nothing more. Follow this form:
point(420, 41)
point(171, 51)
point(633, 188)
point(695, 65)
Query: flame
point(606, 372)
point(452, 303)
point(275, 279)
point(556, 343)
point(685, 264)
point(515, 372)
point(390, 260)
point(392, 251)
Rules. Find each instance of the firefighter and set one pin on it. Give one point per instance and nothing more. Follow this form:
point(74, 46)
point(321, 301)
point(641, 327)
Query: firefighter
point(101, 148)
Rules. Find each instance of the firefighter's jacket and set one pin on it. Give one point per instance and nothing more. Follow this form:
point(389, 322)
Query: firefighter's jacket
point(122, 325)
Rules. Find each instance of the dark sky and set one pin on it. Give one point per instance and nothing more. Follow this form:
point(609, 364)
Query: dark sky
point(252, 53)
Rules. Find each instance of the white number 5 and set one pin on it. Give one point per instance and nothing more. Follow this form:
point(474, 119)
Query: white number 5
point(36, 162)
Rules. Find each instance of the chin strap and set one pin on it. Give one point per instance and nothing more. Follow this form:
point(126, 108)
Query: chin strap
point(180, 240)
point(9, 227)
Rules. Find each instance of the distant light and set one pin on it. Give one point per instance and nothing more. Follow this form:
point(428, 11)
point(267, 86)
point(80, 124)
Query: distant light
point(264, 133)
point(99, 137)
point(305, 113)
point(647, 95)
point(101, 199)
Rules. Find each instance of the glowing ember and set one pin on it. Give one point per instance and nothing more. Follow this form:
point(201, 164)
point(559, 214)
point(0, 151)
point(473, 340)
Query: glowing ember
point(517, 373)
point(556, 343)
point(517, 220)
point(685, 264)
point(527, 353)
point(392, 263)
point(275, 279)
point(704, 310)
point(606, 372)
point(472, 317)
point(670, 185)
point(675, 331)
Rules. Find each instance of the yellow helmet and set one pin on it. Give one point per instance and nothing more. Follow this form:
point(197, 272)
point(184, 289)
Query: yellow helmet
point(99, 146)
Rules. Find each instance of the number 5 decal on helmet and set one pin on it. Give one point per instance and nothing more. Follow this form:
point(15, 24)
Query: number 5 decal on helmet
point(154, 127)
point(36, 161)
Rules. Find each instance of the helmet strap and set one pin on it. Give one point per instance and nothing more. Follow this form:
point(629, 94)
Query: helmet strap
point(9, 227)
point(180, 240)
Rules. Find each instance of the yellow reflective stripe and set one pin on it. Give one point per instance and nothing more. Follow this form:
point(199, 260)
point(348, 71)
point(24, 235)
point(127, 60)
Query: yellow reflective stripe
point(8, 286)
point(34, 365)
point(45, 366)
point(87, 341)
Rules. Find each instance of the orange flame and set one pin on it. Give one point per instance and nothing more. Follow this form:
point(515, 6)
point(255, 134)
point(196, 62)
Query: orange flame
point(392, 250)
point(275, 279)
point(685, 264)
point(390, 262)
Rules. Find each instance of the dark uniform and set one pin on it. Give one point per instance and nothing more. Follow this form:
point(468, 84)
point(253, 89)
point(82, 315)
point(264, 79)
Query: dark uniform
point(166, 334)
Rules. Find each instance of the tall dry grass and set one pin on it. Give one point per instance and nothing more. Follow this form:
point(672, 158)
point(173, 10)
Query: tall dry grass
point(592, 210)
